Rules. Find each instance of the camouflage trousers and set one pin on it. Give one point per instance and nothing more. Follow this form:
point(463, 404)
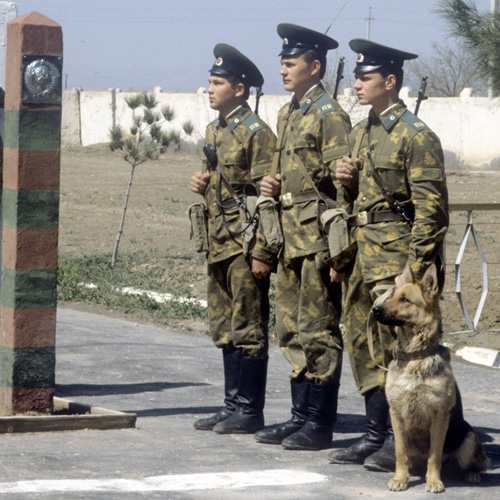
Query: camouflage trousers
point(359, 299)
point(307, 319)
point(238, 307)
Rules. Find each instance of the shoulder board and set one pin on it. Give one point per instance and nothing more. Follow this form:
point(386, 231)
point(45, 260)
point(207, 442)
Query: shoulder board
point(213, 122)
point(414, 121)
point(252, 123)
point(325, 104)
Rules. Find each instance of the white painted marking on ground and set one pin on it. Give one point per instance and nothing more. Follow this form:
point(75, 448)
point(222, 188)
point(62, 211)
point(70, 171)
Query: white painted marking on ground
point(162, 297)
point(157, 297)
point(184, 482)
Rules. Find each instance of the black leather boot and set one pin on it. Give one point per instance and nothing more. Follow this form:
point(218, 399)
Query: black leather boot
point(232, 360)
point(383, 460)
point(377, 412)
point(316, 433)
point(274, 434)
point(249, 416)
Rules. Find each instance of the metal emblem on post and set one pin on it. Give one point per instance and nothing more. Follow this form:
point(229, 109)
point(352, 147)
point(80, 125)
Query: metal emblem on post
point(41, 79)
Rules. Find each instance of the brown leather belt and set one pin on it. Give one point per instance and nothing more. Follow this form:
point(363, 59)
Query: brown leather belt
point(289, 199)
point(364, 218)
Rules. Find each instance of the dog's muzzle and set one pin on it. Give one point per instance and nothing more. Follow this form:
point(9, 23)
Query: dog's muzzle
point(382, 317)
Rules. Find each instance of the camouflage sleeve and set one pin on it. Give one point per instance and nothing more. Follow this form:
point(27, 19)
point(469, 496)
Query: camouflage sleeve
point(334, 137)
point(347, 195)
point(261, 151)
point(427, 179)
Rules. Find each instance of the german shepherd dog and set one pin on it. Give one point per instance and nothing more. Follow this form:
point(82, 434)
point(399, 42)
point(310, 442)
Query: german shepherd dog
point(425, 405)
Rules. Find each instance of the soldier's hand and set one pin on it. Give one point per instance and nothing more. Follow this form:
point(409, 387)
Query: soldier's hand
point(335, 277)
point(269, 186)
point(261, 269)
point(347, 171)
point(199, 182)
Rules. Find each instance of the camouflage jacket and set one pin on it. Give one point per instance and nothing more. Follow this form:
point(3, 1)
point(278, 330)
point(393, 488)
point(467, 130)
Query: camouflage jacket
point(316, 134)
point(244, 146)
point(409, 159)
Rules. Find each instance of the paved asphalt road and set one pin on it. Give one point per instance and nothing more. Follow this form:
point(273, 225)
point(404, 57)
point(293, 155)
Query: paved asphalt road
point(170, 378)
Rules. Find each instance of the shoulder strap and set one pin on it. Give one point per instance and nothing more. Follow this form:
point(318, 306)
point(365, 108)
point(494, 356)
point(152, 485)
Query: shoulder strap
point(357, 143)
point(308, 177)
point(393, 204)
point(232, 192)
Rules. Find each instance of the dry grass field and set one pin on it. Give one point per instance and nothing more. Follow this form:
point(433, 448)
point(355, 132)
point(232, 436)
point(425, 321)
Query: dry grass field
point(93, 184)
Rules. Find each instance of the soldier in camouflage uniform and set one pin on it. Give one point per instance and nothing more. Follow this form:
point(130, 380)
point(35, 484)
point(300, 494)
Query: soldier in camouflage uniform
point(408, 158)
point(308, 305)
point(242, 146)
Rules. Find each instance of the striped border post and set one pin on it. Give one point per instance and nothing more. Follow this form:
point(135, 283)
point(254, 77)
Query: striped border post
point(30, 204)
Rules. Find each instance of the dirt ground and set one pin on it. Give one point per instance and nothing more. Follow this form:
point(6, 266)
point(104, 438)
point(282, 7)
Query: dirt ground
point(93, 184)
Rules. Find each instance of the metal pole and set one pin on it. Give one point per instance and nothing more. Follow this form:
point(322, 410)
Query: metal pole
point(369, 19)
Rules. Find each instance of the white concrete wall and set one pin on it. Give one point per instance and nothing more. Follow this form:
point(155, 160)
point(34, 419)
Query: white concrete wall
point(469, 127)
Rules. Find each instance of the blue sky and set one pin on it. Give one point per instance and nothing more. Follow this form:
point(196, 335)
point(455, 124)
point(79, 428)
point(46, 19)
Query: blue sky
point(138, 44)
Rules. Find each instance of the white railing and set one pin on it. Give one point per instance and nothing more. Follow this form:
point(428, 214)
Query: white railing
point(472, 324)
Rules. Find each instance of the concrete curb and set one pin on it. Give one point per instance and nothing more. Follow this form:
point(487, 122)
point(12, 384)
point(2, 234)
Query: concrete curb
point(480, 356)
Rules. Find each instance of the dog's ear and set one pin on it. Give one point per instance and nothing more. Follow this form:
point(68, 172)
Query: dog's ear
point(408, 276)
point(430, 279)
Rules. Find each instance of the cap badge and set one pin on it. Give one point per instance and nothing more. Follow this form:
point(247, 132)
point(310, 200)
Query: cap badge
point(285, 41)
point(219, 61)
point(361, 57)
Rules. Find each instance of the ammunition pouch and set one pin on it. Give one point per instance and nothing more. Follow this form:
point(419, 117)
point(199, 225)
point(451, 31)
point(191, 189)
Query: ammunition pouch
point(335, 223)
point(199, 227)
point(270, 224)
point(248, 223)
point(325, 203)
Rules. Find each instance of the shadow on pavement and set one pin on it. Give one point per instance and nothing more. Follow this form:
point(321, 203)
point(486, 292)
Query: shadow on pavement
point(117, 389)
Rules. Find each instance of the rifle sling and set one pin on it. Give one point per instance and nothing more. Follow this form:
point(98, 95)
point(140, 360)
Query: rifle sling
point(231, 191)
point(357, 143)
point(393, 204)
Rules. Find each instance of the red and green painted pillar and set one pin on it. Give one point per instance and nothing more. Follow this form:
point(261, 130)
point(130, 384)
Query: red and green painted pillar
point(30, 202)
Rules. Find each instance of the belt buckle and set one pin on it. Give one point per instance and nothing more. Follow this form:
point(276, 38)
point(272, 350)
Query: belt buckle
point(362, 219)
point(286, 200)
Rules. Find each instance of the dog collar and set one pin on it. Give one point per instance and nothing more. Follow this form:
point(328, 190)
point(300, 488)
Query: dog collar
point(411, 356)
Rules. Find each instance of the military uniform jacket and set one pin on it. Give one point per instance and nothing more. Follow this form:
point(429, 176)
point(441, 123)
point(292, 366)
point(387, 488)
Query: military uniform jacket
point(244, 146)
point(408, 157)
point(316, 134)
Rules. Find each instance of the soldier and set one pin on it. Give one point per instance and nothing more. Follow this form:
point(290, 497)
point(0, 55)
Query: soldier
point(240, 148)
point(407, 223)
point(313, 135)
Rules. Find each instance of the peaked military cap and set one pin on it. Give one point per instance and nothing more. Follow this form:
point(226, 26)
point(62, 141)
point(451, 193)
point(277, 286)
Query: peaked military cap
point(297, 40)
point(231, 62)
point(373, 56)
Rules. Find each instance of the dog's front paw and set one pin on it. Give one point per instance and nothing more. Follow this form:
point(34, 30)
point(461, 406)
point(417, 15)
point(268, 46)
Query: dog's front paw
point(472, 476)
point(397, 484)
point(434, 487)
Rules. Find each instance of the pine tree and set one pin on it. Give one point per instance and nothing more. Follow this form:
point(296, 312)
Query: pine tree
point(480, 33)
point(145, 141)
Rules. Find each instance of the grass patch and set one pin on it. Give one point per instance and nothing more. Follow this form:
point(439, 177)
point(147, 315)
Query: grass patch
point(90, 279)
